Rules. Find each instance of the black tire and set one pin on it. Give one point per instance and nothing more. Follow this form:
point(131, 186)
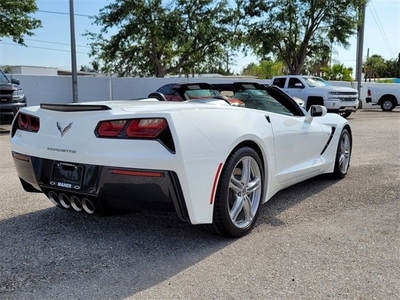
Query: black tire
point(388, 104)
point(345, 114)
point(239, 194)
point(343, 154)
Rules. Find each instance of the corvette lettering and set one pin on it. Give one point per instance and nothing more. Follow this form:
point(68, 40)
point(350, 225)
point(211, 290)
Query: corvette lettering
point(61, 150)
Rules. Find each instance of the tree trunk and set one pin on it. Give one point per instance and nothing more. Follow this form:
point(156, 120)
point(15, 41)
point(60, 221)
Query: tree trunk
point(160, 72)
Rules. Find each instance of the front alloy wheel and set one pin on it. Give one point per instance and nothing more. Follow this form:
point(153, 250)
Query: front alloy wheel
point(239, 194)
point(343, 155)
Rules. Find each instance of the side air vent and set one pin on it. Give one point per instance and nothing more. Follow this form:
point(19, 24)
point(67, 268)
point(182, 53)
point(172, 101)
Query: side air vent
point(333, 129)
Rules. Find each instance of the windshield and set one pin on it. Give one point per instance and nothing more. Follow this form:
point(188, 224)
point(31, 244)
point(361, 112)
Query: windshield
point(198, 94)
point(315, 81)
point(262, 100)
point(3, 78)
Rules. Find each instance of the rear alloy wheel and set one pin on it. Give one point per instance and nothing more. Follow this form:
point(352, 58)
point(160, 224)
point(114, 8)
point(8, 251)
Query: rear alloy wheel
point(239, 194)
point(387, 104)
point(343, 155)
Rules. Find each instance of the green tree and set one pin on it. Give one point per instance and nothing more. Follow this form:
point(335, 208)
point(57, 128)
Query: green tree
point(322, 58)
point(374, 67)
point(337, 72)
point(7, 69)
point(295, 29)
point(16, 20)
point(265, 70)
point(154, 37)
point(391, 69)
point(217, 65)
point(94, 67)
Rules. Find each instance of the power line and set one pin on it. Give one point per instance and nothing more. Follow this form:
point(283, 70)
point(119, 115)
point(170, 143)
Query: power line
point(380, 27)
point(62, 13)
point(49, 42)
point(43, 48)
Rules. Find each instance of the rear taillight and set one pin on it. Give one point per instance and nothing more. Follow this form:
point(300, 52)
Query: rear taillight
point(110, 128)
point(135, 128)
point(27, 122)
point(146, 128)
point(369, 93)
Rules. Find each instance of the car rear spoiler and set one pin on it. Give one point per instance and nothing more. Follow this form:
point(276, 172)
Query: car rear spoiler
point(73, 107)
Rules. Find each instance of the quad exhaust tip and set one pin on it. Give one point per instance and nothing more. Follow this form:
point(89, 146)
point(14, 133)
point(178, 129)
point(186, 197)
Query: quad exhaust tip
point(54, 198)
point(62, 200)
point(88, 206)
point(76, 203)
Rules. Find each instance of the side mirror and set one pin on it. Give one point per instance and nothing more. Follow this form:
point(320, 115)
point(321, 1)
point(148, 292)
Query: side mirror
point(15, 81)
point(316, 111)
point(299, 85)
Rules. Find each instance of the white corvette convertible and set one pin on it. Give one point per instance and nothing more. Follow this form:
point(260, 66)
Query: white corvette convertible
point(209, 162)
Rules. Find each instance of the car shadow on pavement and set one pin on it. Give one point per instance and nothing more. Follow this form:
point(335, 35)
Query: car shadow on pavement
point(117, 256)
point(76, 256)
point(291, 196)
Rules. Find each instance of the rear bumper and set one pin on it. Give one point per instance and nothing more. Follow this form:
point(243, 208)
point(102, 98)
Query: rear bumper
point(106, 187)
point(369, 100)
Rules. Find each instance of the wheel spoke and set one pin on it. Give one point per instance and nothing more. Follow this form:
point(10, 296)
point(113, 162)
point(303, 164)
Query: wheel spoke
point(341, 159)
point(248, 212)
point(236, 208)
point(254, 185)
point(246, 172)
point(236, 185)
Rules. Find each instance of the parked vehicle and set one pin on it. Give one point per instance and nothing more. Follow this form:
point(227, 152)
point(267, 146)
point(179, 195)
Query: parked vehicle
point(190, 91)
point(210, 162)
point(387, 96)
point(12, 97)
point(316, 91)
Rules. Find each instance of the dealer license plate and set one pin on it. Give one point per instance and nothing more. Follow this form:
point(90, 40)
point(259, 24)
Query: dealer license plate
point(67, 175)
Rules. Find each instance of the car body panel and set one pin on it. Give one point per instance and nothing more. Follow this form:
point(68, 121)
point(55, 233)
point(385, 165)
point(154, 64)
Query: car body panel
point(204, 134)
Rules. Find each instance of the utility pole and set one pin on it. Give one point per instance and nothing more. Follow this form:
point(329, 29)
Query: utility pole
point(73, 53)
point(360, 43)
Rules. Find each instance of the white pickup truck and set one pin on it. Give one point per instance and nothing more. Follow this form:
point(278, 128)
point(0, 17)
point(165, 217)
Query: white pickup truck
point(316, 91)
point(385, 95)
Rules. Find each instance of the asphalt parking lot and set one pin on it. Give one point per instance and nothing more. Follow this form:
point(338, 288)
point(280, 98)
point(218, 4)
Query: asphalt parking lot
point(321, 239)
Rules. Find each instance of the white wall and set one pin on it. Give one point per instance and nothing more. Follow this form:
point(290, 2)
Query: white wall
point(58, 89)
